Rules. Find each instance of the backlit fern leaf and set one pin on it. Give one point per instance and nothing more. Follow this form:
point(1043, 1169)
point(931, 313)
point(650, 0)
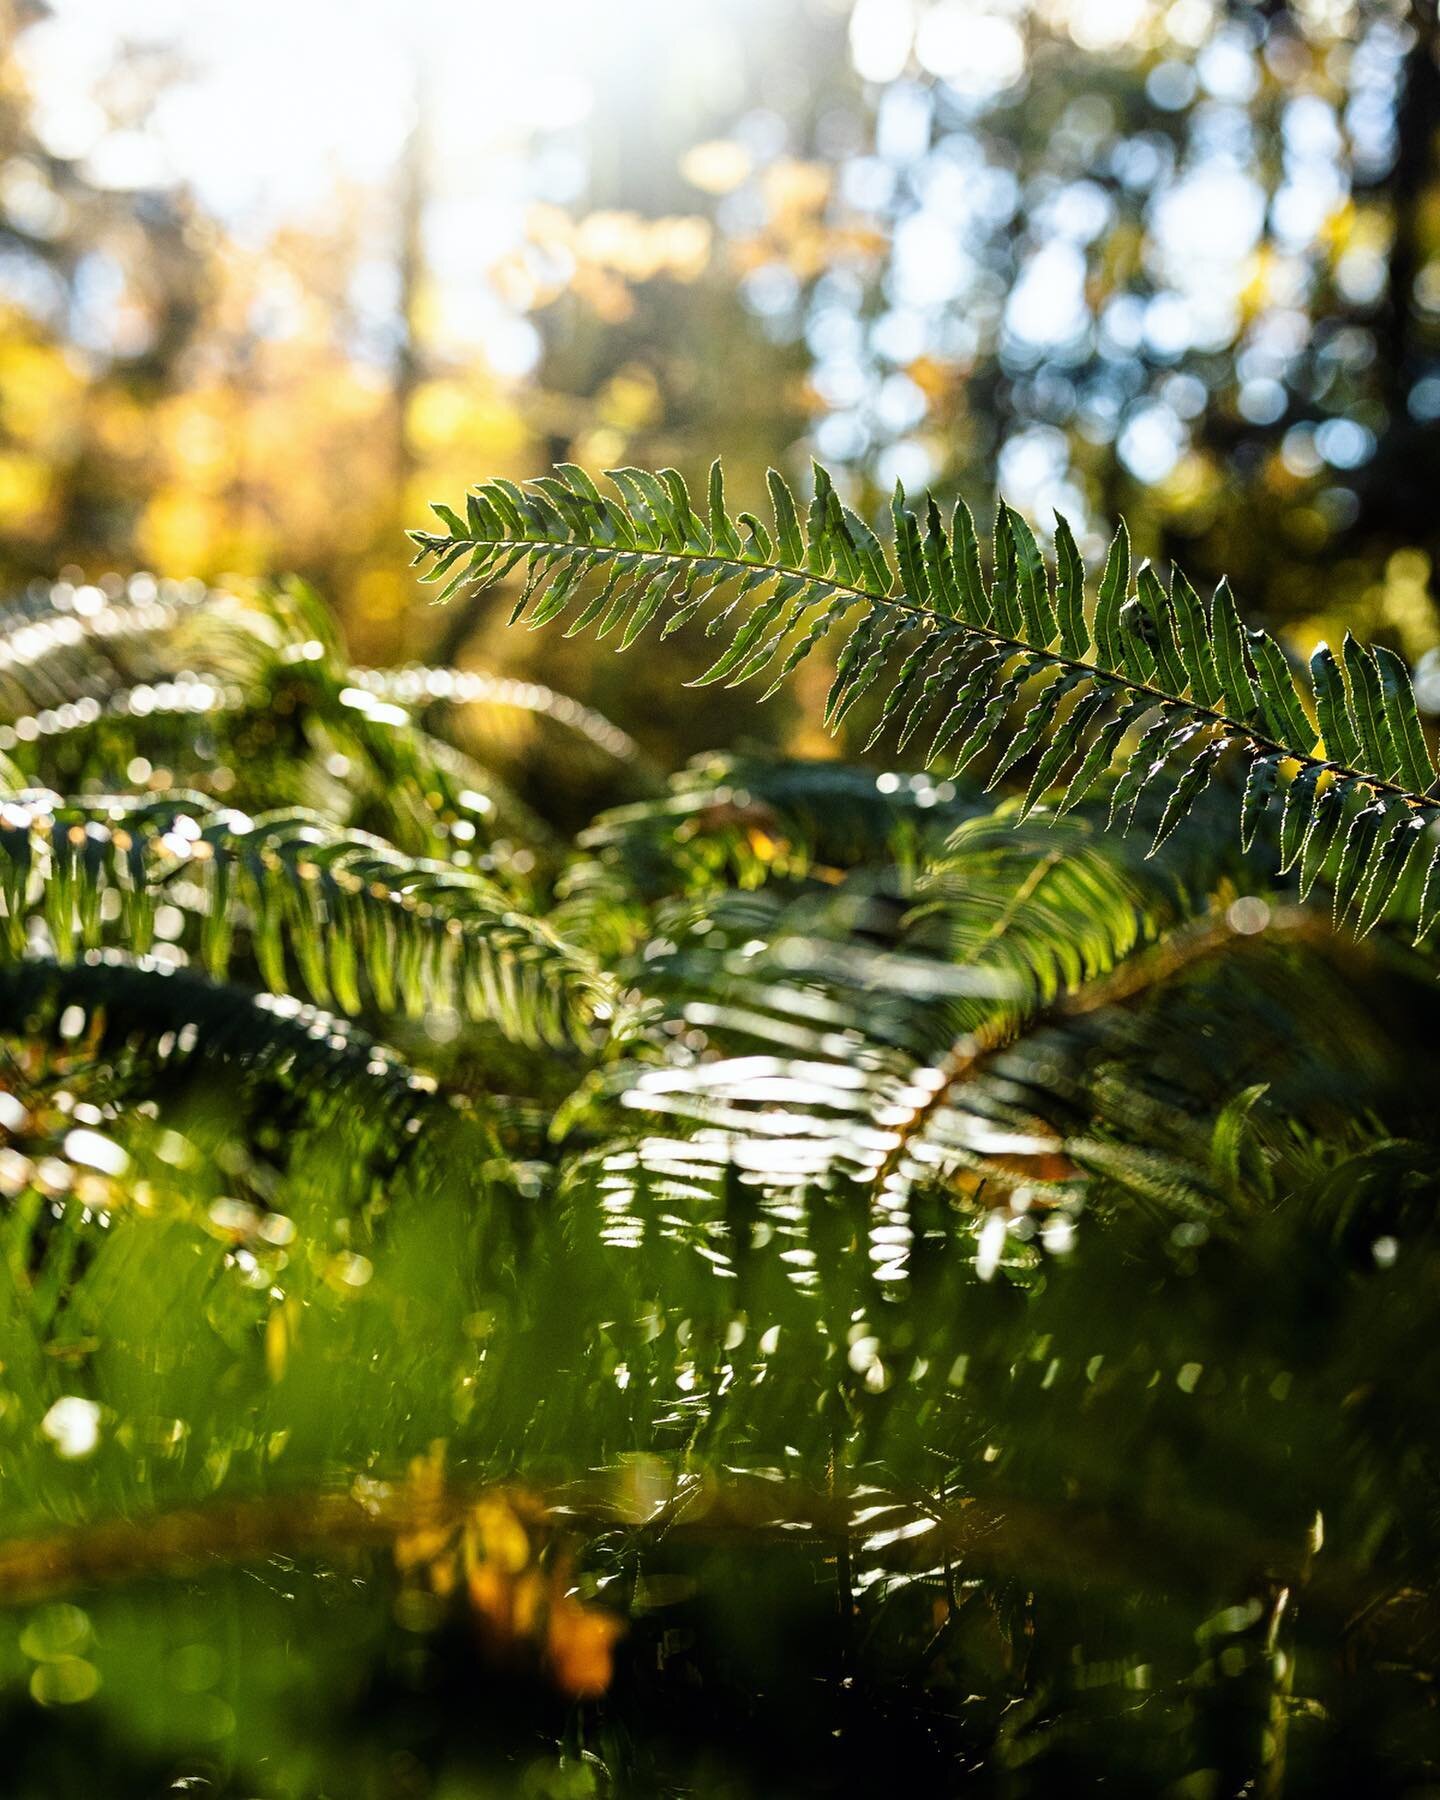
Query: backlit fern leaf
point(255, 680)
point(67, 645)
point(361, 924)
point(1160, 685)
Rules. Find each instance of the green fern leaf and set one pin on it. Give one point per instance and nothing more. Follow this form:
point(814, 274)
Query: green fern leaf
point(1192, 623)
point(1332, 708)
point(1327, 823)
point(965, 545)
point(1160, 631)
point(1114, 584)
point(1413, 764)
point(1377, 745)
point(1033, 583)
point(925, 636)
point(1070, 592)
point(336, 905)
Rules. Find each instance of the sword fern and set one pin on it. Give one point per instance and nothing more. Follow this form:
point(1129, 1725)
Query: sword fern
point(1154, 685)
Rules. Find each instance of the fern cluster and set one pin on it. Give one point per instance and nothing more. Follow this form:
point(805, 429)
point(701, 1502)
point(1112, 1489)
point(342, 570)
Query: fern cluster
point(882, 1214)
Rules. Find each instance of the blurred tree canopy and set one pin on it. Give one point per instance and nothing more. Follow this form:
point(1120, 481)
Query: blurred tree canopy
point(1181, 260)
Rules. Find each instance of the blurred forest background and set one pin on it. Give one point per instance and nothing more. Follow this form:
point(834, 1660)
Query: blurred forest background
point(1172, 257)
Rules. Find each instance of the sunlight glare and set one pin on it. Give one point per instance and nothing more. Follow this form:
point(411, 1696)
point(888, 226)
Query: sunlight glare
point(340, 90)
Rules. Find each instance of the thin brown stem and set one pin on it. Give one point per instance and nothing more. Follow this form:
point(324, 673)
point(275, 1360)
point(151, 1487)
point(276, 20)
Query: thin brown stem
point(1189, 944)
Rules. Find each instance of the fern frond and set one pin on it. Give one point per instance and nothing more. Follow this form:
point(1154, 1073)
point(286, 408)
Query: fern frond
point(851, 1052)
point(416, 685)
point(129, 1009)
point(943, 649)
point(425, 787)
point(755, 819)
point(254, 684)
point(1001, 1035)
point(194, 725)
point(361, 923)
point(69, 644)
point(883, 1076)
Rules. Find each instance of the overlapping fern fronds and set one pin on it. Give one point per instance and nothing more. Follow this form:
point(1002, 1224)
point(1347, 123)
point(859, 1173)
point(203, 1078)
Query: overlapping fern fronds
point(845, 1043)
point(928, 1125)
point(756, 821)
point(253, 683)
point(840, 1077)
point(1014, 666)
point(358, 922)
point(380, 872)
point(63, 644)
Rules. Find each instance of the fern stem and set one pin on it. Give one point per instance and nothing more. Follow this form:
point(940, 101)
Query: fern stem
point(1184, 947)
point(926, 620)
point(1012, 1535)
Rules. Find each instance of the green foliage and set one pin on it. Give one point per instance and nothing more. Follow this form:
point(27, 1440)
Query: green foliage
point(355, 915)
point(136, 1012)
point(1014, 669)
point(835, 1276)
point(348, 917)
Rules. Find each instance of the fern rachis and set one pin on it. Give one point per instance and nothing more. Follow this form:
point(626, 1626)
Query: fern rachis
point(934, 638)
